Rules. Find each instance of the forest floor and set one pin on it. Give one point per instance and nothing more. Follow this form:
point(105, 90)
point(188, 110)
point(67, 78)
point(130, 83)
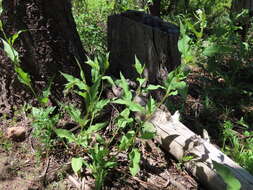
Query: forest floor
point(22, 168)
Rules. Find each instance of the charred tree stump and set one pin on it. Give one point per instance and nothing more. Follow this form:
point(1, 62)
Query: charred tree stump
point(153, 41)
point(50, 43)
point(237, 7)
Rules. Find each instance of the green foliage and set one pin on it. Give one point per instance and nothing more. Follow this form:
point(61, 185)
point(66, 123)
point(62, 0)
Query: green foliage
point(241, 149)
point(127, 128)
point(44, 122)
point(135, 158)
point(231, 181)
point(23, 77)
point(5, 143)
point(100, 164)
point(76, 164)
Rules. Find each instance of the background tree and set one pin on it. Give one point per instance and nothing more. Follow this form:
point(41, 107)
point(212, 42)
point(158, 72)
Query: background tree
point(237, 7)
point(49, 44)
point(154, 7)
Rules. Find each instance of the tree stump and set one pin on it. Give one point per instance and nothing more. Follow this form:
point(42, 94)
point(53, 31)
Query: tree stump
point(237, 7)
point(153, 41)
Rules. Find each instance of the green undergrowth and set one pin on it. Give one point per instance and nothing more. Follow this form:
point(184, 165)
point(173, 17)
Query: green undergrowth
point(98, 149)
point(221, 88)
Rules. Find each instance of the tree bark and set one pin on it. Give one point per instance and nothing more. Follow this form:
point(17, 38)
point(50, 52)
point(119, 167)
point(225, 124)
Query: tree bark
point(50, 43)
point(237, 7)
point(150, 39)
point(154, 8)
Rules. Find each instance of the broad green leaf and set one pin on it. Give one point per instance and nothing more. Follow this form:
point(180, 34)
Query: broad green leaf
point(73, 81)
point(127, 140)
point(135, 107)
point(154, 87)
point(106, 62)
point(232, 182)
point(1, 23)
point(212, 50)
point(151, 105)
point(75, 114)
point(125, 113)
point(81, 70)
point(120, 101)
point(123, 122)
point(42, 113)
point(10, 51)
point(43, 100)
point(124, 85)
point(76, 164)
point(135, 158)
point(109, 79)
point(93, 63)
point(138, 66)
point(183, 45)
point(173, 93)
point(110, 164)
point(96, 127)
point(148, 131)
point(94, 90)
point(63, 133)
point(124, 119)
point(100, 139)
point(101, 104)
point(23, 77)
point(216, 49)
point(141, 81)
point(15, 36)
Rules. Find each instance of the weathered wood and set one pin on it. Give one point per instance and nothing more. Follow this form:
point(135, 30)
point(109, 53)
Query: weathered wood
point(179, 141)
point(237, 7)
point(153, 41)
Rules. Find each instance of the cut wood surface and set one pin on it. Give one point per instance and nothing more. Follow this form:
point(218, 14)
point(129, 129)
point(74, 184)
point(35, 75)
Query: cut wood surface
point(149, 38)
point(179, 141)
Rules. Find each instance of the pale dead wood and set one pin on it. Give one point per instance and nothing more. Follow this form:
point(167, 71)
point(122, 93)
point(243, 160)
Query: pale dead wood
point(179, 141)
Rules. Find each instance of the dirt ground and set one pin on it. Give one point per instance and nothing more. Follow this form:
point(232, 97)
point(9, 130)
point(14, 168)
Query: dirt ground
point(21, 168)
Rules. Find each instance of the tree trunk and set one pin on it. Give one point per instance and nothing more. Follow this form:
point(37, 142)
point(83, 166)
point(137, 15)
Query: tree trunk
point(50, 43)
point(237, 7)
point(154, 8)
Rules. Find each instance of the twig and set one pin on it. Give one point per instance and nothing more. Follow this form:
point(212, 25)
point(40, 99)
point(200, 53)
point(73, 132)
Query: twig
point(74, 181)
point(173, 182)
point(46, 168)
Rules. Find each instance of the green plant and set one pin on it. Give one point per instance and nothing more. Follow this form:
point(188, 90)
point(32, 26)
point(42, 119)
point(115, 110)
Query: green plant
point(127, 128)
point(44, 122)
point(231, 181)
point(23, 77)
point(185, 159)
point(101, 162)
point(94, 104)
point(5, 143)
point(240, 149)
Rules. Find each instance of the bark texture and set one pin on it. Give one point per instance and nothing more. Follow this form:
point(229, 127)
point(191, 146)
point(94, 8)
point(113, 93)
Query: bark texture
point(49, 44)
point(237, 7)
point(153, 41)
point(154, 8)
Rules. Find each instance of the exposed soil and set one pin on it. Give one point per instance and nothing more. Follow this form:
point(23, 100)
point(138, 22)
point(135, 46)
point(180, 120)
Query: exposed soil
point(22, 168)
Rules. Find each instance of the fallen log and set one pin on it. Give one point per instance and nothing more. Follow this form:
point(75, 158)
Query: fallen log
point(179, 141)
